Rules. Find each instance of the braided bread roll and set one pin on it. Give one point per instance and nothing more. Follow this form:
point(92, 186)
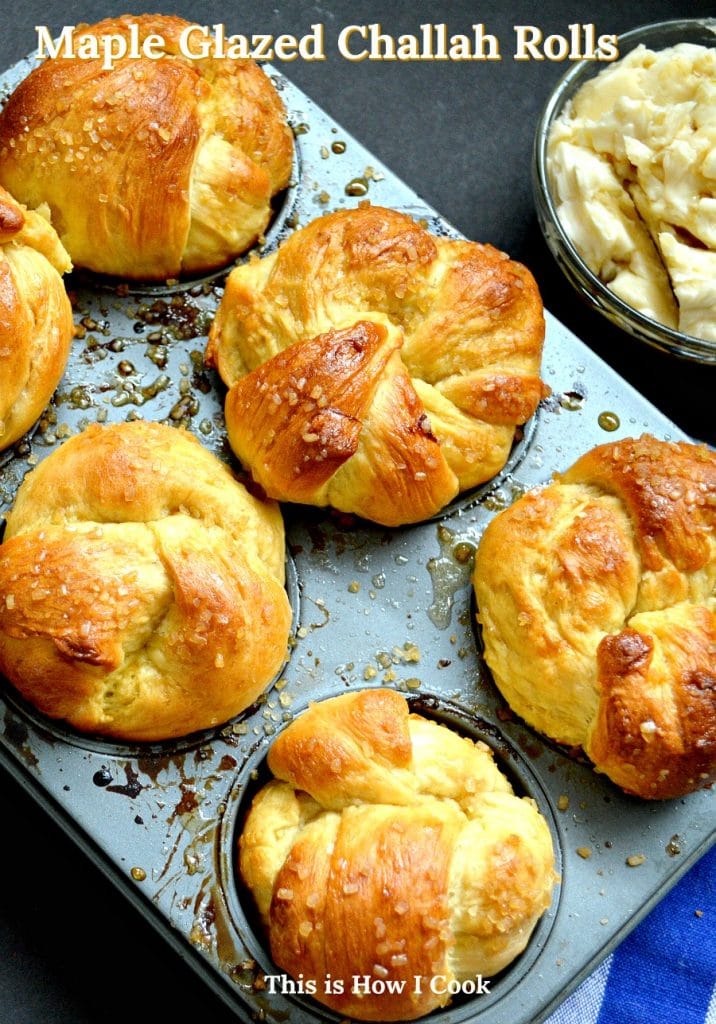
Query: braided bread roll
point(151, 168)
point(141, 586)
point(597, 600)
point(377, 368)
point(392, 848)
point(36, 326)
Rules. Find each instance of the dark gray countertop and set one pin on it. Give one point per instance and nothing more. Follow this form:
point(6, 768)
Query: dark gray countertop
point(460, 134)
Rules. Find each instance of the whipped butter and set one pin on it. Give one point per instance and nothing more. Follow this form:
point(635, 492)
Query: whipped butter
point(632, 168)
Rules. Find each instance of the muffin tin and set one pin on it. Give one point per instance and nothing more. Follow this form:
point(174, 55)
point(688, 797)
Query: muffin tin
point(372, 607)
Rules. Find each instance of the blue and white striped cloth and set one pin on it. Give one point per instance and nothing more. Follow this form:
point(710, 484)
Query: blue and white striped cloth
point(665, 970)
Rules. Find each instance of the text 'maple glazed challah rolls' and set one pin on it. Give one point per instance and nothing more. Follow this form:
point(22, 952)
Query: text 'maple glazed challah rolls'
point(154, 167)
point(390, 846)
point(597, 600)
point(375, 367)
point(36, 326)
point(141, 586)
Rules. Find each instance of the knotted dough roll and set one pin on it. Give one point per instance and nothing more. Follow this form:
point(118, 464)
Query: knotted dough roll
point(151, 168)
point(141, 586)
point(35, 316)
point(597, 598)
point(394, 848)
point(375, 367)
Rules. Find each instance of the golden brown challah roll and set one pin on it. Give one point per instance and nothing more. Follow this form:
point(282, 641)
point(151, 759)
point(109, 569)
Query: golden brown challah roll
point(35, 316)
point(153, 167)
point(392, 848)
point(597, 601)
point(375, 367)
point(141, 586)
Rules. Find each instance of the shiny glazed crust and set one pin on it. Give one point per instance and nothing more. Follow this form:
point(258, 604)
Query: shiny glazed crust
point(35, 316)
point(389, 846)
point(141, 586)
point(155, 167)
point(597, 601)
point(377, 368)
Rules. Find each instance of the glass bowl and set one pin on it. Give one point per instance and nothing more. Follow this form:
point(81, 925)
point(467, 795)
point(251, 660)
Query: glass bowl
point(655, 37)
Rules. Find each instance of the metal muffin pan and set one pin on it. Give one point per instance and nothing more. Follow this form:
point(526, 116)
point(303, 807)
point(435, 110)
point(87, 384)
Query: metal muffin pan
point(372, 607)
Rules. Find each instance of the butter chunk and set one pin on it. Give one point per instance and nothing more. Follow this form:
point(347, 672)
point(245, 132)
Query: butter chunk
point(693, 273)
point(600, 217)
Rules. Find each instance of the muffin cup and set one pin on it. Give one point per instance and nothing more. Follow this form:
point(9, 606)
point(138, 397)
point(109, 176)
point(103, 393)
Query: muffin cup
point(239, 901)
